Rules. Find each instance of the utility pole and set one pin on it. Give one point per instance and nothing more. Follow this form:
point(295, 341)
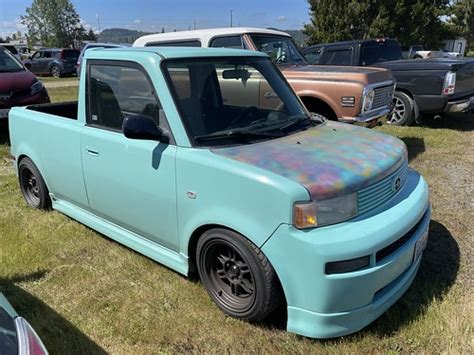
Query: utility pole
point(98, 22)
point(231, 11)
point(194, 24)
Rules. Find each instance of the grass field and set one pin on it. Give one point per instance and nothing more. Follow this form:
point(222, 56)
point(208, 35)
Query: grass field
point(84, 293)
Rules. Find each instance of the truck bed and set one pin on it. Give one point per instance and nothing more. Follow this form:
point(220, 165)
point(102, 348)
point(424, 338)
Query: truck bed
point(63, 109)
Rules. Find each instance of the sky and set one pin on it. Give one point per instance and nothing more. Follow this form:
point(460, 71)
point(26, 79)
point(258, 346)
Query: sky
point(153, 15)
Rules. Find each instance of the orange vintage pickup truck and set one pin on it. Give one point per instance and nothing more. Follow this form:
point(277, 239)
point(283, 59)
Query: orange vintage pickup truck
point(348, 94)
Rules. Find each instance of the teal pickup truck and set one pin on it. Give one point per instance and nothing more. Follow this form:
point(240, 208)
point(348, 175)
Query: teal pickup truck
point(178, 154)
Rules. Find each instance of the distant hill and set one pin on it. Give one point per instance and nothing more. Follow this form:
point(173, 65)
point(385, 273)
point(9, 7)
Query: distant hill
point(298, 35)
point(119, 35)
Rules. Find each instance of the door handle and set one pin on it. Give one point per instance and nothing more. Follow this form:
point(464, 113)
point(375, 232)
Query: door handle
point(92, 152)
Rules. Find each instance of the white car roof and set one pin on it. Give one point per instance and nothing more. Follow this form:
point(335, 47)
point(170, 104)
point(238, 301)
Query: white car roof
point(204, 35)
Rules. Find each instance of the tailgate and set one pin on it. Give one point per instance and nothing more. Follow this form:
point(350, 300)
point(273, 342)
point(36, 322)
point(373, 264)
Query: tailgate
point(465, 79)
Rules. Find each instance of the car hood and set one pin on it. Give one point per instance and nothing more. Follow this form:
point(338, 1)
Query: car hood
point(330, 160)
point(329, 72)
point(16, 81)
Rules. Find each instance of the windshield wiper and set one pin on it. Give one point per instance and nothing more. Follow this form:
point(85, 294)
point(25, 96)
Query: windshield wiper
point(237, 135)
point(299, 120)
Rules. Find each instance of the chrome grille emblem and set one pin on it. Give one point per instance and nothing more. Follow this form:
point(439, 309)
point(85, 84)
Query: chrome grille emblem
point(397, 183)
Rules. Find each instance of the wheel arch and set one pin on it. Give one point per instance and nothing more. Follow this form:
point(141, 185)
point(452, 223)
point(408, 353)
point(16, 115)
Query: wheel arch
point(192, 247)
point(319, 105)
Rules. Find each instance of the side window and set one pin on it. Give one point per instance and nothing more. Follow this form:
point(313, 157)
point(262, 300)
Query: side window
point(46, 54)
point(339, 57)
point(313, 55)
point(37, 55)
point(117, 91)
point(228, 42)
point(191, 43)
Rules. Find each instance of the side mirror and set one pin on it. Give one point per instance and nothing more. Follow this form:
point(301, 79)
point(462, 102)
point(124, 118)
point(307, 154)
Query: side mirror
point(142, 127)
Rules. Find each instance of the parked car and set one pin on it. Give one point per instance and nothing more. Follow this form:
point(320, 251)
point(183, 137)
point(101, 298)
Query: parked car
point(173, 152)
point(53, 61)
point(418, 52)
point(354, 95)
point(12, 49)
point(17, 336)
point(448, 54)
point(90, 46)
point(18, 86)
point(424, 86)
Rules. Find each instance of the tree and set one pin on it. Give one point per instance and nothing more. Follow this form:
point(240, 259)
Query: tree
point(54, 23)
point(461, 20)
point(410, 21)
point(90, 36)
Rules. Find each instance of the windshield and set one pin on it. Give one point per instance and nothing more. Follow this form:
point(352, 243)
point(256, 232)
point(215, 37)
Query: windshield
point(233, 100)
point(380, 52)
point(8, 63)
point(281, 49)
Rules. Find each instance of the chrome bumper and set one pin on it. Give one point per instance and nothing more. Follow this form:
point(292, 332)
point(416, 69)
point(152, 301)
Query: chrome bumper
point(464, 105)
point(371, 119)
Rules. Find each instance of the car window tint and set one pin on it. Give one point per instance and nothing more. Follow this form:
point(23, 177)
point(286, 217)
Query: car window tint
point(339, 57)
point(191, 43)
point(181, 80)
point(119, 91)
point(313, 55)
point(228, 42)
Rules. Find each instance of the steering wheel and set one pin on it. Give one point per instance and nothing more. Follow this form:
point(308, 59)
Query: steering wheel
point(251, 112)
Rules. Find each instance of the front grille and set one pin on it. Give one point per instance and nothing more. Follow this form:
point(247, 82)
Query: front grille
point(382, 191)
point(382, 96)
point(392, 248)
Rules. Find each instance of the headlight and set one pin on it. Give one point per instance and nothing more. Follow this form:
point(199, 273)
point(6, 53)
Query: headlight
point(37, 87)
point(321, 213)
point(367, 99)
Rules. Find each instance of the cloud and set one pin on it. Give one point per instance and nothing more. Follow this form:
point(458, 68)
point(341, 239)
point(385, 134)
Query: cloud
point(137, 22)
point(7, 28)
point(281, 18)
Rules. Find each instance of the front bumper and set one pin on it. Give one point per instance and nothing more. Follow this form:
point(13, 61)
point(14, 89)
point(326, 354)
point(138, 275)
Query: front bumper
point(464, 105)
point(370, 119)
point(324, 306)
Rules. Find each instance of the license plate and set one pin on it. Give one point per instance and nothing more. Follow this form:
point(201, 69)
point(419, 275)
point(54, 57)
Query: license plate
point(420, 245)
point(4, 113)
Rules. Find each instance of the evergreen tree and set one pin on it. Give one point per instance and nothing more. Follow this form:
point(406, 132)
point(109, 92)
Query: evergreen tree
point(54, 23)
point(410, 21)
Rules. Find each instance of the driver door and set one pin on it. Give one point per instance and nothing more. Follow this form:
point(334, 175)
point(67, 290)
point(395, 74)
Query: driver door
point(130, 183)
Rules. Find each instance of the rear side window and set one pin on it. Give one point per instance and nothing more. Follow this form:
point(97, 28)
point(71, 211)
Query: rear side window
point(380, 52)
point(313, 55)
point(12, 49)
point(46, 54)
point(235, 42)
point(339, 57)
point(191, 43)
point(117, 91)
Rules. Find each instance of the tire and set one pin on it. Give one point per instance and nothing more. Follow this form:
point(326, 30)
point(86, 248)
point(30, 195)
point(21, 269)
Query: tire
point(32, 185)
point(403, 114)
point(417, 57)
point(236, 275)
point(55, 71)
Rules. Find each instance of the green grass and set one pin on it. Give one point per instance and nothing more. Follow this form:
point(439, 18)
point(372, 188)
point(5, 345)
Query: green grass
point(61, 94)
point(84, 293)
